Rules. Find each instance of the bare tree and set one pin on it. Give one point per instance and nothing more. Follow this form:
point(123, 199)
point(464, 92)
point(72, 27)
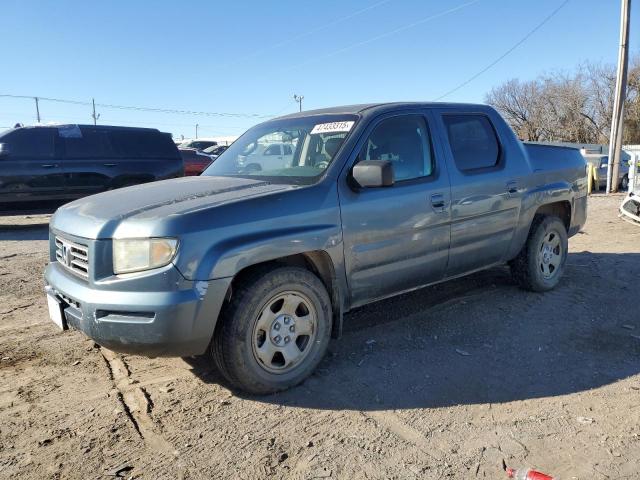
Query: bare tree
point(518, 102)
point(574, 107)
point(632, 104)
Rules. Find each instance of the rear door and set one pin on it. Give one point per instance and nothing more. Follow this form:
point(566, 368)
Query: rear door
point(143, 156)
point(32, 169)
point(89, 159)
point(396, 238)
point(485, 191)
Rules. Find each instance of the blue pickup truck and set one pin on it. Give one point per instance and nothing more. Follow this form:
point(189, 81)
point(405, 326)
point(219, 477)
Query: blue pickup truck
point(255, 263)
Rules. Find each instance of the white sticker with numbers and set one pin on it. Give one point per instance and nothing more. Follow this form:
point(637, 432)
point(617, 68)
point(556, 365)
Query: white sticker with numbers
point(332, 127)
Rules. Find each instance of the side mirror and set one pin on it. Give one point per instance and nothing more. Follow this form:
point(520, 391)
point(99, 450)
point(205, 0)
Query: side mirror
point(4, 150)
point(373, 173)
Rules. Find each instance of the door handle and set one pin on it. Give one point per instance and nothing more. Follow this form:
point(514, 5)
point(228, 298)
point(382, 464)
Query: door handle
point(437, 202)
point(109, 164)
point(49, 165)
point(512, 187)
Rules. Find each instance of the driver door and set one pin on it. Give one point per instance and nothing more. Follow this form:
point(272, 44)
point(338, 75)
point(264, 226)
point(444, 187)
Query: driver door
point(31, 170)
point(396, 238)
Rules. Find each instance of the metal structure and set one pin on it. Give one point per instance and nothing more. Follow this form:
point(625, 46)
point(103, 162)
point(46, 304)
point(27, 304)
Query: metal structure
point(94, 115)
point(617, 120)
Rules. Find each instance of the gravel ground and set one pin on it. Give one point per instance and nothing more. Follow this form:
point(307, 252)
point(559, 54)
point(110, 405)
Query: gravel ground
point(446, 382)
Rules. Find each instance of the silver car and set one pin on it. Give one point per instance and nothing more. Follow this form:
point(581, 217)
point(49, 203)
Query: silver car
point(601, 163)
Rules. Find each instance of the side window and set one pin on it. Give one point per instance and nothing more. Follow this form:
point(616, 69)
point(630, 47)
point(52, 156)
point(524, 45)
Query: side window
point(32, 143)
point(272, 150)
point(125, 143)
point(405, 142)
point(142, 144)
point(287, 150)
point(473, 141)
point(93, 143)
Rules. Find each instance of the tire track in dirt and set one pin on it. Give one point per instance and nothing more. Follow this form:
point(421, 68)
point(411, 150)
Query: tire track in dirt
point(390, 423)
point(136, 403)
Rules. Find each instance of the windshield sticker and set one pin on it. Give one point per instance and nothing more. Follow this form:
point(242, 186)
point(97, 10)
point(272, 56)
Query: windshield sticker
point(332, 127)
point(69, 131)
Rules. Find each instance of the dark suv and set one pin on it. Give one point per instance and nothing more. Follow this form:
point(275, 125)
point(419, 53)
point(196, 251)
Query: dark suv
point(64, 162)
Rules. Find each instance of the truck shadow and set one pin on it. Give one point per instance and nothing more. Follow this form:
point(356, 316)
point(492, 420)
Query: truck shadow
point(480, 339)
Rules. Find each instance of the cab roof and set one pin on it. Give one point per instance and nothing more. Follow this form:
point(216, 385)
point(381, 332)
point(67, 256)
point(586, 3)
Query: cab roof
point(366, 109)
point(82, 125)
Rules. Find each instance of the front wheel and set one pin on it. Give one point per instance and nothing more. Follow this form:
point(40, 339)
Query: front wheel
point(541, 262)
point(274, 331)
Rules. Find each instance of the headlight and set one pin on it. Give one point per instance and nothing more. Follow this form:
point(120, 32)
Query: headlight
point(137, 254)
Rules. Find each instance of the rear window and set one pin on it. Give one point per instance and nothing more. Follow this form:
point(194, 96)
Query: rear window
point(90, 143)
point(473, 141)
point(31, 143)
point(141, 144)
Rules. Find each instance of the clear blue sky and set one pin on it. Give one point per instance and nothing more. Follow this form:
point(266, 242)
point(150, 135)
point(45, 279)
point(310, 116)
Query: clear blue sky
point(247, 56)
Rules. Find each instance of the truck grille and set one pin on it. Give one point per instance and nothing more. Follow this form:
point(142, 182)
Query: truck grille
point(73, 256)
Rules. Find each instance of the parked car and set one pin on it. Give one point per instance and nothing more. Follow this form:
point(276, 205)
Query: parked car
point(258, 267)
point(198, 145)
point(601, 163)
point(60, 163)
point(266, 156)
point(194, 161)
point(215, 151)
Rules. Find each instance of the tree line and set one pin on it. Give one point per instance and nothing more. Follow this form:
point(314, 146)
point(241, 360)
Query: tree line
point(569, 107)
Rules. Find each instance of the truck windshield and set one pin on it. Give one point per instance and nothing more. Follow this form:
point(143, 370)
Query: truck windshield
point(296, 150)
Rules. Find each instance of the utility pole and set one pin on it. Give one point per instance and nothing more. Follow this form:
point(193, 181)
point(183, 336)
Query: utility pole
point(37, 109)
point(620, 94)
point(196, 131)
point(298, 98)
point(94, 116)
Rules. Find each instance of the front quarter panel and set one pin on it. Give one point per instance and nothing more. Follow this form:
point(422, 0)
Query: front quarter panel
point(244, 234)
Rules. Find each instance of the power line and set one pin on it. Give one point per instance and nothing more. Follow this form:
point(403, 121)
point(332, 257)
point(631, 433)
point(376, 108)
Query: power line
point(385, 35)
point(141, 109)
point(309, 32)
point(497, 60)
point(287, 107)
point(73, 119)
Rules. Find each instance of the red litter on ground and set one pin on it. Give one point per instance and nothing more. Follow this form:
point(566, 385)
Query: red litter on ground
point(527, 474)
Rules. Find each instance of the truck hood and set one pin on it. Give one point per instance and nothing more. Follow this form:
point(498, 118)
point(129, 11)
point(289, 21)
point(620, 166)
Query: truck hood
point(140, 210)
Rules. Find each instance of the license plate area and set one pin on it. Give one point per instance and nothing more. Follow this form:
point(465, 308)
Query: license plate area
point(56, 313)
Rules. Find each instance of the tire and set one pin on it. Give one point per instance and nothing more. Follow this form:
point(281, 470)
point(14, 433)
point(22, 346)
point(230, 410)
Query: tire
point(541, 262)
point(624, 183)
point(274, 331)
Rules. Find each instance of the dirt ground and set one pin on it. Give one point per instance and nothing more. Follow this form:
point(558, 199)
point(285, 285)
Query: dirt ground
point(445, 382)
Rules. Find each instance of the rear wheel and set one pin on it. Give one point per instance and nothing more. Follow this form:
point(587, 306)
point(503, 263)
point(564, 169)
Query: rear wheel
point(275, 330)
point(624, 183)
point(541, 262)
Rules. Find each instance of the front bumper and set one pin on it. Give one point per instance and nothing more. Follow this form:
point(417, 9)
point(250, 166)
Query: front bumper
point(179, 322)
